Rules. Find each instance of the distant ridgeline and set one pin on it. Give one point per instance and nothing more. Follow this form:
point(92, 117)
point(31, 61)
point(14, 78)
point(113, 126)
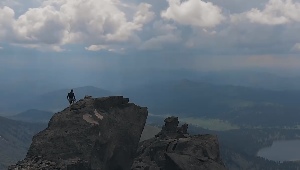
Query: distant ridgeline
point(241, 106)
point(33, 115)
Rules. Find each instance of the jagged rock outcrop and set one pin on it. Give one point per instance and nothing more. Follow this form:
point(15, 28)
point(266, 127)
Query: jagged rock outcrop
point(97, 134)
point(174, 149)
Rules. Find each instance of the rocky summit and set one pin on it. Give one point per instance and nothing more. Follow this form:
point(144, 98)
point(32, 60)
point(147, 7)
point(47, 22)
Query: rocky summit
point(97, 134)
point(104, 134)
point(174, 149)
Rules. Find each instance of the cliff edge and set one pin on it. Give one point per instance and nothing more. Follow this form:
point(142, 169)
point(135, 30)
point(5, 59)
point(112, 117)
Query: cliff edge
point(98, 133)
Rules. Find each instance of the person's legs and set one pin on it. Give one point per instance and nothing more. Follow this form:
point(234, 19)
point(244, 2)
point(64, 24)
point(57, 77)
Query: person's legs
point(70, 101)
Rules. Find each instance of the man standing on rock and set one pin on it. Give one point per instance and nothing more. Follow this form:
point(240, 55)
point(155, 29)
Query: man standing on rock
point(71, 98)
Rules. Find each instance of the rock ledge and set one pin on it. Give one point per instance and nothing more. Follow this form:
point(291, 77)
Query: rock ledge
point(97, 134)
point(174, 149)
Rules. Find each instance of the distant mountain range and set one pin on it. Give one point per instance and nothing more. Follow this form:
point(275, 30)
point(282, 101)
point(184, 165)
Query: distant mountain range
point(15, 139)
point(186, 98)
point(237, 104)
point(33, 116)
point(52, 101)
point(189, 97)
point(19, 97)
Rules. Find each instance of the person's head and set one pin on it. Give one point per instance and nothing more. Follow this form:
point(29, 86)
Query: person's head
point(71, 90)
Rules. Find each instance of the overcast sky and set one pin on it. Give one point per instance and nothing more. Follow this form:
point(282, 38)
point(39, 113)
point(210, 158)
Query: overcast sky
point(60, 37)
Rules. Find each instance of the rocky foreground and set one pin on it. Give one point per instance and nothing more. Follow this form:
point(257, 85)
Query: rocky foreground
point(98, 133)
point(174, 149)
point(104, 134)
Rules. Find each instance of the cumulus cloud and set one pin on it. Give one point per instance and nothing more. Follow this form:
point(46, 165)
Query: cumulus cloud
point(143, 15)
point(296, 47)
point(6, 20)
point(157, 43)
point(241, 36)
point(106, 47)
point(162, 27)
point(68, 22)
point(96, 47)
point(276, 12)
point(57, 48)
point(110, 25)
point(163, 34)
point(41, 47)
point(193, 12)
point(211, 32)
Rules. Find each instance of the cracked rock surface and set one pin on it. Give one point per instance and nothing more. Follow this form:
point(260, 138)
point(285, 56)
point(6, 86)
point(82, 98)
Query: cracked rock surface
point(174, 149)
point(97, 134)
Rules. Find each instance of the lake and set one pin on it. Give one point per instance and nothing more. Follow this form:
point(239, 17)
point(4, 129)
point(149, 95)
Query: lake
point(288, 150)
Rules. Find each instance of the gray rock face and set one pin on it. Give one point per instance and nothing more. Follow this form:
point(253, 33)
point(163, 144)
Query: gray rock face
point(174, 149)
point(97, 134)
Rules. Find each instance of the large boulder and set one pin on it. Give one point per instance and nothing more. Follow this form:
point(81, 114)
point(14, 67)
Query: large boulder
point(97, 134)
point(174, 149)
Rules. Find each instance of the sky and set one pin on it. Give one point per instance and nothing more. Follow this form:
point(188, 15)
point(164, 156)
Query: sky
point(56, 40)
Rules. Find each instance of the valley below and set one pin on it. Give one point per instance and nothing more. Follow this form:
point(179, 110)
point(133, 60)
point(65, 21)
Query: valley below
point(257, 129)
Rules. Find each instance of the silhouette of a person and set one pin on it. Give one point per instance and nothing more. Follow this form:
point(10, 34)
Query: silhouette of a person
point(71, 98)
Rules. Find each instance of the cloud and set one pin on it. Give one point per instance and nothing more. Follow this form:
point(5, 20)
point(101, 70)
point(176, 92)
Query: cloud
point(243, 37)
point(71, 22)
point(162, 27)
point(41, 47)
point(6, 21)
point(143, 15)
point(1, 48)
point(9, 3)
point(296, 47)
point(276, 12)
point(157, 43)
point(211, 33)
point(193, 12)
point(57, 48)
point(96, 47)
point(26, 45)
point(114, 49)
point(110, 25)
point(162, 35)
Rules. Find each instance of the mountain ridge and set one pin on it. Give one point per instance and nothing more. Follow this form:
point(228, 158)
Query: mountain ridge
point(33, 115)
point(56, 100)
